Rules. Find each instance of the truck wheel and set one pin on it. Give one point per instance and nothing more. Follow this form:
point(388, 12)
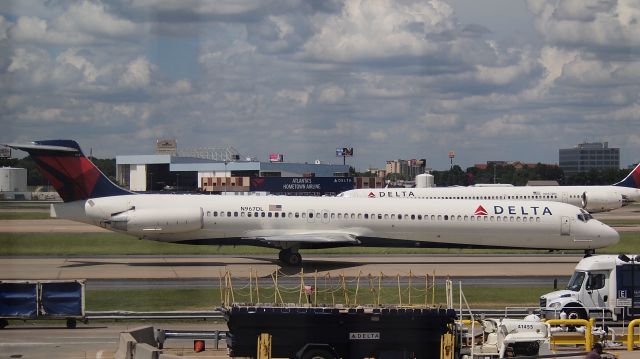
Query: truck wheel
point(576, 313)
point(318, 354)
point(3, 323)
point(71, 323)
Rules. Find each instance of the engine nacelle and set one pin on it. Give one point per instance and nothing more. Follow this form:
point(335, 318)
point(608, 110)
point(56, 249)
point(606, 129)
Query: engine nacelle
point(156, 221)
point(601, 201)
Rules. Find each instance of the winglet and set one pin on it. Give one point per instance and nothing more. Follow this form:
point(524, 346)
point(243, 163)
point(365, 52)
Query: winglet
point(72, 174)
point(632, 180)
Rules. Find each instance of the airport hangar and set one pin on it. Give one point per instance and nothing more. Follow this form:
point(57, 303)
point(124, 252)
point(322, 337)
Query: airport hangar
point(168, 172)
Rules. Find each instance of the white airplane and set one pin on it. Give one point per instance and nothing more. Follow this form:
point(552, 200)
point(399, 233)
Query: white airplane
point(293, 223)
point(592, 198)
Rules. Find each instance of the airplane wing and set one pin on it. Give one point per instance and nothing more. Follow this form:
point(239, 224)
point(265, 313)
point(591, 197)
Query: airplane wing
point(309, 237)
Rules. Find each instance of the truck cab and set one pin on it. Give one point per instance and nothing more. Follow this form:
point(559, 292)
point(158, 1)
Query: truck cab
point(601, 286)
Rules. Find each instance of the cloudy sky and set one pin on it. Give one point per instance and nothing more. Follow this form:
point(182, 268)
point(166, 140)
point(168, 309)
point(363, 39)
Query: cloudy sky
point(491, 80)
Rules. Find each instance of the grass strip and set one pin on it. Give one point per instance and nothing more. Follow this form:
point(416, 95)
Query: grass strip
point(75, 244)
point(486, 297)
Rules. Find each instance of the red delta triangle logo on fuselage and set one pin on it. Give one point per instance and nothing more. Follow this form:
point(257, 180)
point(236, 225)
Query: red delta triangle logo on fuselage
point(371, 195)
point(480, 211)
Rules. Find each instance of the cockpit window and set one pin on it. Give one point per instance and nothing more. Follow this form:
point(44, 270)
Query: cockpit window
point(584, 216)
point(575, 283)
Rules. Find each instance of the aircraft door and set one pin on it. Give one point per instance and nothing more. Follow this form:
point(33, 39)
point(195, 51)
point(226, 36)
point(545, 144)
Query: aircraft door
point(565, 197)
point(565, 226)
point(311, 214)
point(597, 290)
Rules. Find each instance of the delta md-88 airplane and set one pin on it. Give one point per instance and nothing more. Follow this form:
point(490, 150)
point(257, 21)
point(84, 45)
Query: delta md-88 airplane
point(293, 223)
point(592, 198)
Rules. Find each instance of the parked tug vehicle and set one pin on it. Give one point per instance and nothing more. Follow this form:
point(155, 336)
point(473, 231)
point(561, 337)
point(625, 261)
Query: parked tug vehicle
point(603, 286)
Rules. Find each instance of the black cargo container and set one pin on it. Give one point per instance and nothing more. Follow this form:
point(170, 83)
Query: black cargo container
point(333, 333)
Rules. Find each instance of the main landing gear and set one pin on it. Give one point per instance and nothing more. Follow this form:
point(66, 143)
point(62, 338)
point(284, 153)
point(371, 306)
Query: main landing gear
point(589, 252)
point(290, 257)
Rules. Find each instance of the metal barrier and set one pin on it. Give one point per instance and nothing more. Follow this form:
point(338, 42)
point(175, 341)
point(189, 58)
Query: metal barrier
point(216, 335)
point(630, 341)
point(588, 324)
point(120, 315)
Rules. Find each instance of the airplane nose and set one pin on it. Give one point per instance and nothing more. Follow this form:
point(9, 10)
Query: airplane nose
point(607, 236)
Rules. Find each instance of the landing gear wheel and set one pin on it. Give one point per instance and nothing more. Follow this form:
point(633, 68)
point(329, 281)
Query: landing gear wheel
point(290, 258)
point(589, 252)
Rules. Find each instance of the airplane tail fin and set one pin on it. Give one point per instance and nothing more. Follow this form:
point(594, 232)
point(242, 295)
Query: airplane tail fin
point(632, 180)
point(72, 174)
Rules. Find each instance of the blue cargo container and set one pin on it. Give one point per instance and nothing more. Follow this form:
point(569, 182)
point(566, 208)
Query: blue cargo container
point(18, 299)
point(51, 299)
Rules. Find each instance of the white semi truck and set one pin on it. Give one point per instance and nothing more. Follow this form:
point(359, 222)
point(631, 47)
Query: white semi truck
point(602, 286)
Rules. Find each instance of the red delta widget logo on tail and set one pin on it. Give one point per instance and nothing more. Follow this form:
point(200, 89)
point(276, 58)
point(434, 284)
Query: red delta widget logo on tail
point(515, 210)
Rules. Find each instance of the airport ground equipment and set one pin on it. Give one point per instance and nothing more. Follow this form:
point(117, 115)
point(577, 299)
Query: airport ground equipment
point(603, 286)
point(503, 338)
point(325, 333)
point(45, 299)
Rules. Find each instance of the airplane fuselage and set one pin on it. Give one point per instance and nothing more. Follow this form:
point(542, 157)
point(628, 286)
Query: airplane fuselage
point(277, 220)
point(592, 198)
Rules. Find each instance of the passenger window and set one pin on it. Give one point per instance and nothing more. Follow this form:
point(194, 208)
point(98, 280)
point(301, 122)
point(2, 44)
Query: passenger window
point(270, 214)
point(228, 214)
point(419, 217)
point(366, 216)
point(262, 214)
point(208, 213)
point(439, 217)
point(235, 214)
point(242, 214)
point(386, 216)
point(248, 214)
point(380, 216)
point(297, 215)
point(310, 214)
point(325, 215)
